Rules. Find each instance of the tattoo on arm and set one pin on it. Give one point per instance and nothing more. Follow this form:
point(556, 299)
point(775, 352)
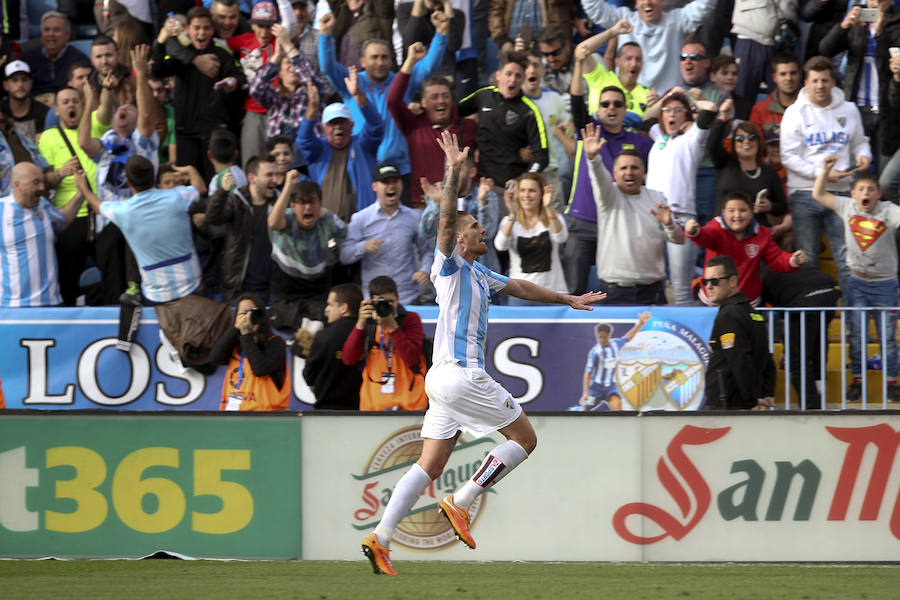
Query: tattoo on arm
point(446, 237)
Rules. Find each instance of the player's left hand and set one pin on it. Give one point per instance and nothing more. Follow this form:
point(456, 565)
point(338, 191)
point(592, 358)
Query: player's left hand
point(584, 301)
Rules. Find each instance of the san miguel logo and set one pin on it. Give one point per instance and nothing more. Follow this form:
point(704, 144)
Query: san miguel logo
point(423, 528)
point(691, 494)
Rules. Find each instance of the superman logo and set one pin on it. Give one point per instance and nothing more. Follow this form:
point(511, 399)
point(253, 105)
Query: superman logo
point(866, 230)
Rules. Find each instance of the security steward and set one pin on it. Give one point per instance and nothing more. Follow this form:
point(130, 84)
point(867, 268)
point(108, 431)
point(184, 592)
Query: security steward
point(741, 373)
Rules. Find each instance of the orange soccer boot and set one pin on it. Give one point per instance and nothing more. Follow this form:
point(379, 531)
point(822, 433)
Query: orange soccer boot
point(378, 555)
point(459, 520)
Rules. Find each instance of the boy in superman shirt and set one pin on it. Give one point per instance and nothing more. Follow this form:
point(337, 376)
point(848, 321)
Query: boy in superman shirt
point(736, 233)
point(869, 226)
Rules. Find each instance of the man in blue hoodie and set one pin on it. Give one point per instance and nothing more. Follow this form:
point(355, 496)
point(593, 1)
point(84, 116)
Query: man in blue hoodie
point(374, 81)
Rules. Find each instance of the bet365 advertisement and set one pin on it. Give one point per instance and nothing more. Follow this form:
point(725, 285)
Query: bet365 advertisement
point(549, 358)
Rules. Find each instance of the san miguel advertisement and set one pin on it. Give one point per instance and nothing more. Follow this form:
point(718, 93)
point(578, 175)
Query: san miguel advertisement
point(655, 488)
point(549, 358)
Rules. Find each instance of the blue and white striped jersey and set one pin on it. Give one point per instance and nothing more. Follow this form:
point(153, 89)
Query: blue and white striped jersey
point(28, 271)
point(601, 362)
point(157, 227)
point(463, 294)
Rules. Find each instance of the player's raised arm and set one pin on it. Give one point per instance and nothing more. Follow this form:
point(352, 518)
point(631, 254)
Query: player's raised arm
point(454, 159)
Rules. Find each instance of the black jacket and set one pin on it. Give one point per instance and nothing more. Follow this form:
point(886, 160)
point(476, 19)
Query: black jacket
point(234, 212)
point(504, 127)
point(199, 107)
point(854, 41)
point(335, 384)
point(740, 367)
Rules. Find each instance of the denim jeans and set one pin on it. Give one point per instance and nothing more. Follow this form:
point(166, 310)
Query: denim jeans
point(682, 259)
point(872, 293)
point(810, 220)
point(706, 195)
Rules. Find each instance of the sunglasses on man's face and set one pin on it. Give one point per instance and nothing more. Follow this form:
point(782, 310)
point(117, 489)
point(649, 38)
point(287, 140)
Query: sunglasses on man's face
point(692, 56)
point(556, 52)
point(614, 103)
point(714, 281)
point(750, 137)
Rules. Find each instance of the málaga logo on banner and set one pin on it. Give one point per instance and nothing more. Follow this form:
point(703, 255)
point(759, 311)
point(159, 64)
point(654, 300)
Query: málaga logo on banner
point(689, 490)
point(423, 528)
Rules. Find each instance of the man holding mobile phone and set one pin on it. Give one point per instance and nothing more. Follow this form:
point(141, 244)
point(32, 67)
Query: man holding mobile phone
point(867, 33)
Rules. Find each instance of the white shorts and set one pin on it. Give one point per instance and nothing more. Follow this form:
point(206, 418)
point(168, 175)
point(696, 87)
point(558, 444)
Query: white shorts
point(465, 398)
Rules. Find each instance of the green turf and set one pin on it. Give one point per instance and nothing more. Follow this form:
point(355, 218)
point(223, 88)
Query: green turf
point(172, 579)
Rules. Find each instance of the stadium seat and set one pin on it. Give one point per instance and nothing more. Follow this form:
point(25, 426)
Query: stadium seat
point(36, 9)
point(83, 45)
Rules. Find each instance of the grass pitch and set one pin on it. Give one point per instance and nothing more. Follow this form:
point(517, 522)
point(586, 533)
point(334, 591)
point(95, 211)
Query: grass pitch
point(173, 579)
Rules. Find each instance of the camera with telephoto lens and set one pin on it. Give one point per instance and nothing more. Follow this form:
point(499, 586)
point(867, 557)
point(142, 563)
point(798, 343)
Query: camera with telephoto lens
point(256, 316)
point(383, 307)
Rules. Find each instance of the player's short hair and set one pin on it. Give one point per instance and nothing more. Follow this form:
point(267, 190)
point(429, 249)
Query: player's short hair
point(631, 152)
point(724, 261)
point(279, 139)
point(512, 56)
point(256, 161)
point(626, 45)
point(369, 42)
point(305, 190)
point(603, 327)
point(349, 294)
point(784, 58)
point(818, 63)
point(554, 33)
point(737, 195)
point(223, 145)
point(721, 61)
point(198, 12)
point(382, 285)
point(866, 177)
point(139, 173)
point(103, 40)
point(614, 88)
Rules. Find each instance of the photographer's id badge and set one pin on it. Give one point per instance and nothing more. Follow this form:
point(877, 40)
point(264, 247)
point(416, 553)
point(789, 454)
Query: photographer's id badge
point(387, 383)
point(234, 401)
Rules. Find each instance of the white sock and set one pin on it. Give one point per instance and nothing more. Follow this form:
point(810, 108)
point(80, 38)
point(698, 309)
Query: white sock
point(405, 494)
point(502, 459)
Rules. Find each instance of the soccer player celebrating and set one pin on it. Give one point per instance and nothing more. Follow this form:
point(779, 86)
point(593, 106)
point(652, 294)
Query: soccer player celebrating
point(461, 393)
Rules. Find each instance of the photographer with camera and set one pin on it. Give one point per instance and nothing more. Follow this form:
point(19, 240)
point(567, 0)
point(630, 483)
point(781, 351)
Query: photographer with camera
point(257, 377)
point(389, 340)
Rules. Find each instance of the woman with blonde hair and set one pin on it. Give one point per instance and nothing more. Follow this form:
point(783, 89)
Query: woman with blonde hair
point(532, 232)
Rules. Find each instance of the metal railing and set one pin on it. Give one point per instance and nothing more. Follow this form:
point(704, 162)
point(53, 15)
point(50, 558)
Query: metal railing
point(794, 323)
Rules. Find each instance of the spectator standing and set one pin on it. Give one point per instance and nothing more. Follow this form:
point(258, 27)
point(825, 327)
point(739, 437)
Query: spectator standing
point(385, 238)
point(356, 22)
point(227, 19)
point(555, 113)
point(507, 122)
point(818, 124)
point(631, 268)
point(741, 374)
point(200, 91)
point(659, 34)
point(342, 163)
point(257, 376)
point(305, 243)
point(286, 100)
point(335, 385)
point(15, 148)
point(755, 24)
point(27, 113)
point(415, 22)
point(438, 113)
point(628, 64)
point(509, 19)
point(375, 80)
point(724, 73)
point(28, 227)
point(246, 257)
point(787, 81)
point(555, 45)
point(533, 233)
point(869, 225)
point(50, 61)
point(389, 339)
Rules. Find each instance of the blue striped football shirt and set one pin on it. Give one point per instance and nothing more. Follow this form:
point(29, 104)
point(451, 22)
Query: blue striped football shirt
point(28, 271)
point(463, 295)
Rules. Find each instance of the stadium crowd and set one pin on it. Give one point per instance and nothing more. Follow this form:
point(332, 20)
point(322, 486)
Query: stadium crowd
point(617, 146)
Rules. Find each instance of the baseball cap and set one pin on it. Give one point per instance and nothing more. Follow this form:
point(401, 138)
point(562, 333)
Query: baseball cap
point(386, 171)
point(264, 13)
point(335, 111)
point(16, 66)
point(773, 134)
